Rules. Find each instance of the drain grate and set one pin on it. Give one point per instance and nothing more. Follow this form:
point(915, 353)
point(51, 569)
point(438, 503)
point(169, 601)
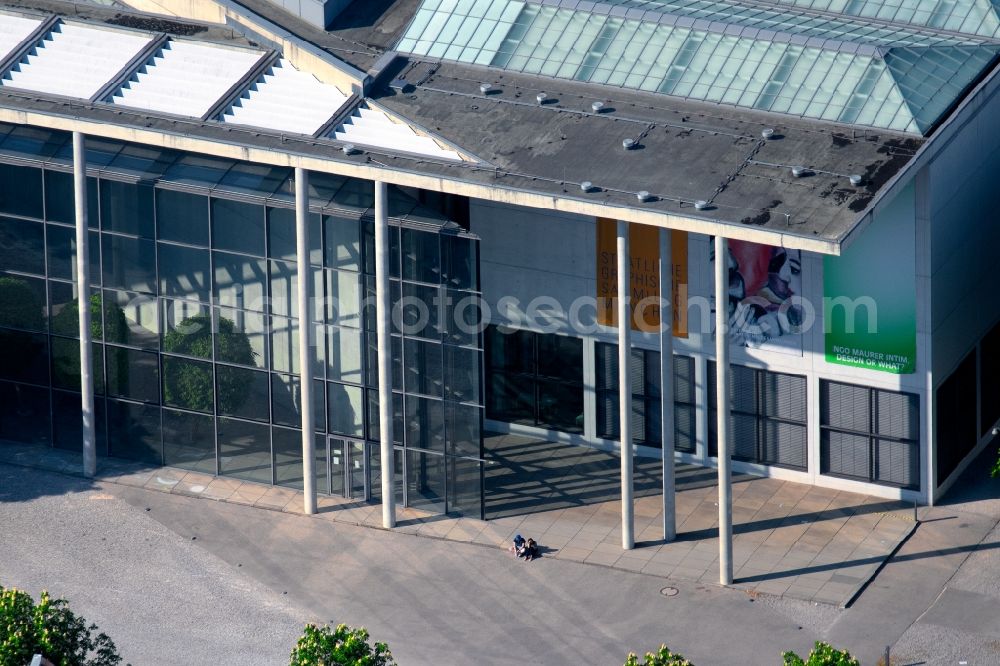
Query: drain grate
point(669, 591)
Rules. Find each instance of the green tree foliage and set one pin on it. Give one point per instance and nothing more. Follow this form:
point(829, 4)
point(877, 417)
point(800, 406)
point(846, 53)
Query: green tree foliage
point(343, 646)
point(67, 320)
point(49, 628)
point(662, 657)
point(189, 383)
point(823, 654)
point(20, 305)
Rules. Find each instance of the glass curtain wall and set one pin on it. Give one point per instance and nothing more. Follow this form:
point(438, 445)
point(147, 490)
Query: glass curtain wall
point(195, 319)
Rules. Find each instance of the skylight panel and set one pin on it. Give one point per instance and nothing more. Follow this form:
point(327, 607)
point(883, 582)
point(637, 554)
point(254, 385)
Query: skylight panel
point(14, 29)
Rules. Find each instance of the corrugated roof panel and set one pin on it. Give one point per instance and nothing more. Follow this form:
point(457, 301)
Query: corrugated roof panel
point(75, 60)
point(369, 126)
point(15, 29)
point(286, 100)
point(186, 78)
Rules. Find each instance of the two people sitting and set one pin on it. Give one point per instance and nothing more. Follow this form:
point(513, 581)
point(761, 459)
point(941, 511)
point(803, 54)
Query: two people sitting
point(526, 548)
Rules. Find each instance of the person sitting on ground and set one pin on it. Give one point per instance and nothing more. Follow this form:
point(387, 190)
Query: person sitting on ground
point(518, 545)
point(530, 550)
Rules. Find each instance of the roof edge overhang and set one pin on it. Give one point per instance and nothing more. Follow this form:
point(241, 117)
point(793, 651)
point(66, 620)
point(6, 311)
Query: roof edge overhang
point(962, 114)
point(362, 167)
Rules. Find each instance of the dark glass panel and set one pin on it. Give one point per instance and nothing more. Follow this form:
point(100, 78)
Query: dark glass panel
point(424, 423)
point(24, 413)
point(560, 406)
point(238, 227)
point(21, 190)
point(245, 450)
point(282, 242)
point(459, 262)
point(560, 357)
point(287, 447)
point(343, 298)
point(242, 393)
point(182, 217)
point(464, 430)
point(22, 246)
point(127, 208)
point(241, 337)
point(286, 401)
point(187, 329)
point(259, 180)
point(421, 256)
point(141, 326)
point(61, 244)
point(22, 302)
point(397, 417)
point(425, 484)
point(184, 272)
point(343, 243)
point(510, 350)
point(424, 367)
point(198, 171)
point(344, 361)
point(66, 364)
point(462, 318)
point(24, 357)
point(132, 374)
point(465, 487)
point(189, 441)
point(511, 398)
point(67, 423)
point(461, 371)
point(188, 384)
point(64, 313)
point(134, 432)
point(129, 263)
point(60, 203)
point(368, 238)
point(240, 282)
point(421, 309)
point(396, 354)
point(346, 409)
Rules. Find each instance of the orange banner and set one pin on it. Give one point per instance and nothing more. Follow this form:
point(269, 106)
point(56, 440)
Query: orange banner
point(644, 250)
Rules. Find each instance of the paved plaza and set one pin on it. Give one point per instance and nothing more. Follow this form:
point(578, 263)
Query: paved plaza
point(790, 539)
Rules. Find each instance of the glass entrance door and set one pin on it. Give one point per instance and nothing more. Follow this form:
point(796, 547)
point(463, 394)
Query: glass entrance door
point(349, 469)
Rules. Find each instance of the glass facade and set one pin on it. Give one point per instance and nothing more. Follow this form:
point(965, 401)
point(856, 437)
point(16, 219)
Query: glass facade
point(816, 65)
point(195, 320)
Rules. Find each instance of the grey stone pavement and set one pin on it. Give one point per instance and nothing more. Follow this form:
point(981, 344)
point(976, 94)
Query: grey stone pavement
point(934, 601)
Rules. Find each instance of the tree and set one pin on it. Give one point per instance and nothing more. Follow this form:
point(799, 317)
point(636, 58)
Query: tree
point(662, 657)
point(343, 646)
point(189, 383)
point(823, 654)
point(51, 629)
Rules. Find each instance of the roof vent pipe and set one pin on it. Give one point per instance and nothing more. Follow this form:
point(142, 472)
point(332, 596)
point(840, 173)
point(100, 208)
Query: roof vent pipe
point(586, 186)
point(642, 196)
point(701, 204)
point(857, 179)
point(628, 144)
point(541, 97)
point(485, 88)
point(799, 171)
point(349, 149)
point(596, 107)
point(766, 133)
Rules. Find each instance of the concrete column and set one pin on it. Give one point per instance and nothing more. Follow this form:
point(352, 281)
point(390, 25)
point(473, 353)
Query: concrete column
point(83, 300)
point(625, 383)
point(306, 350)
point(667, 384)
point(383, 310)
point(722, 402)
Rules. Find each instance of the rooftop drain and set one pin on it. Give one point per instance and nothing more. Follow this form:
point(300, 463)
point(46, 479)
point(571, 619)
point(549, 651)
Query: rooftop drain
point(596, 107)
point(799, 171)
point(485, 88)
point(642, 196)
point(586, 186)
point(701, 204)
point(766, 133)
point(541, 97)
point(857, 179)
point(628, 144)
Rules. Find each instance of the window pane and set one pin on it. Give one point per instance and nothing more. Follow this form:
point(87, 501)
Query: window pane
point(465, 491)
point(67, 423)
point(464, 430)
point(241, 337)
point(459, 262)
point(184, 272)
point(282, 242)
point(396, 353)
point(22, 246)
point(129, 263)
point(127, 208)
point(343, 299)
point(421, 256)
point(188, 384)
point(286, 402)
point(131, 319)
point(425, 485)
point(22, 302)
point(461, 367)
point(240, 282)
point(344, 360)
point(462, 318)
point(242, 392)
point(245, 450)
point(134, 432)
point(510, 350)
point(21, 190)
point(424, 370)
point(132, 374)
point(560, 406)
point(24, 413)
point(60, 205)
point(346, 409)
point(182, 217)
point(66, 364)
point(343, 244)
point(397, 416)
point(238, 227)
point(189, 441)
point(187, 329)
point(24, 357)
point(845, 455)
point(61, 246)
point(424, 423)
point(287, 447)
point(511, 398)
point(420, 311)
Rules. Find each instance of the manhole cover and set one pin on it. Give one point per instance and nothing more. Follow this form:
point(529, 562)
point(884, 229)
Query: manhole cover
point(669, 591)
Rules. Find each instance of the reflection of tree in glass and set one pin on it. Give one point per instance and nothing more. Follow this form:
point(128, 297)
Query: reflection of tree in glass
point(114, 324)
point(189, 383)
point(20, 306)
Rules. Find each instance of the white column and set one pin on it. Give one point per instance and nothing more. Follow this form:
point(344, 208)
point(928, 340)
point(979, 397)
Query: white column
point(625, 383)
point(384, 340)
point(306, 350)
point(722, 401)
point(83, 300)
point(667, 384)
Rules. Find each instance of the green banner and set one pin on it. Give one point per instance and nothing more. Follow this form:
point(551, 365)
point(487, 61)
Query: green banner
point(869, 294)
